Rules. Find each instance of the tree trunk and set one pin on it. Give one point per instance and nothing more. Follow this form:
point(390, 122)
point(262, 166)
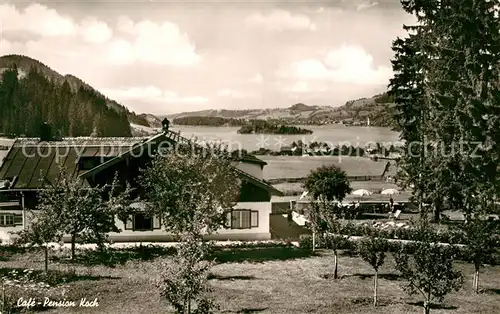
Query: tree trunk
point(73, 240)
point(375, 279)
point(314, 240)
point(189, 306)
point(46, 253)
point(3, 297)
point(476, 279)
point(474, 282)
point(335, 272)
point(427, 307)
point(437, 211)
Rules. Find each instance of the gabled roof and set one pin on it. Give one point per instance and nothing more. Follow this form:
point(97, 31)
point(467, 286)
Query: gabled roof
point(252, 159)
point(29, 161)
point(174, 138)
point(130, 151)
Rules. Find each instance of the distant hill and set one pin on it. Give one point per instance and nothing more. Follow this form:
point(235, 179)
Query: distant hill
point(32, 93)
point(379, 109)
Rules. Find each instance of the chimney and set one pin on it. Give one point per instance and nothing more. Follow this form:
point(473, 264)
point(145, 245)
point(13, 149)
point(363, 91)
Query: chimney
point(45, 132)
point(165, 124)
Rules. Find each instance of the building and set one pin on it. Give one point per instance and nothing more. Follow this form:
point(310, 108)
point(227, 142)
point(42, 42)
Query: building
point(30, 162)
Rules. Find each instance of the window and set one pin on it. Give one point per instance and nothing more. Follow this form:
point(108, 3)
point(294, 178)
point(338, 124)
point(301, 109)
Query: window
point(254, 219)
point(244, 219)
point(142, 222)
point(9, 220)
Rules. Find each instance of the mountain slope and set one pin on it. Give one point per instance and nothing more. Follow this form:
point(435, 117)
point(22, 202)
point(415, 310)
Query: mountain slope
point(296, 111)
point(379, 109)
point(40, 93)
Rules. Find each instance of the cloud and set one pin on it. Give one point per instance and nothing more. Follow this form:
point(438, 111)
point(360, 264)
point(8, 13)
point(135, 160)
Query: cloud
point(198, 54)
point(95, 31)
point(365, 5)
point(280, 20)
point(151, 93)
point(48, 23)
point(304, 87)
point(144, 41)
point(37, 19)
point(257, 79)
point(347, 64)
point(162, 44)
point(231, 93)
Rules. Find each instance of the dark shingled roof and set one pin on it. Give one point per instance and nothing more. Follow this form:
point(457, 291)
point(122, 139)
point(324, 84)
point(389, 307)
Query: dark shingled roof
point(176, 138)
point(29, 160)
point(252, 159)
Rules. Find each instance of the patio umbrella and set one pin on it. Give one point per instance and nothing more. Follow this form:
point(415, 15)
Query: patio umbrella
point(389, 192)
point(304, 194)
point(362, 192)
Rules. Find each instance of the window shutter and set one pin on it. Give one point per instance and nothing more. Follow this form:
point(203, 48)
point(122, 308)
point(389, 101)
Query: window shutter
point(254, 219)
point(156, 222)
point(228, 223)
point(129, 225)
point(18, 219)
point(235, 219)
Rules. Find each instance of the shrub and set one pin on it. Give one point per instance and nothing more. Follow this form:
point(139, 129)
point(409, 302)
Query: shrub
point(184, 281)
point(305, 242)
point(373, 251)
point(28, 284)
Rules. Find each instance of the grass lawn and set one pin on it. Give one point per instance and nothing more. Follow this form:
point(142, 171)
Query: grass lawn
point(266, 280)
point(300, 166)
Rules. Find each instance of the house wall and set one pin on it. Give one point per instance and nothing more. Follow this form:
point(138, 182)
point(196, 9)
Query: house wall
point(6, 232)
point(262, 232)
point(253, 169)
point(5, 235)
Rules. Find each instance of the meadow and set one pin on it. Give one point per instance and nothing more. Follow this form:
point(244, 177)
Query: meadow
point(255, 280)
point(301, 166)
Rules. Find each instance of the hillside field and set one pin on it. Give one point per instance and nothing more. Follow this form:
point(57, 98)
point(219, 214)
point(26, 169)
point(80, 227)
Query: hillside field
point(300, 166)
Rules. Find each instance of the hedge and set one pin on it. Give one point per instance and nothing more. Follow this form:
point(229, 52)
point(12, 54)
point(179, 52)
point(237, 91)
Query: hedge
point(305, 242)
point(444, 236)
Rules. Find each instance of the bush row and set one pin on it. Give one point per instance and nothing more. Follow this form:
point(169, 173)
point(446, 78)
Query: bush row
point(350, 244)
point(451, 236)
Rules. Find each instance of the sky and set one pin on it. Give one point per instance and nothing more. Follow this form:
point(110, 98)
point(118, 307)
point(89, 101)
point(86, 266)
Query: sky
point(164, 57)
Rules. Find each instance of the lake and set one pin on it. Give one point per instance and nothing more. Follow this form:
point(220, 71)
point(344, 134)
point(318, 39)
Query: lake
point(333, 134)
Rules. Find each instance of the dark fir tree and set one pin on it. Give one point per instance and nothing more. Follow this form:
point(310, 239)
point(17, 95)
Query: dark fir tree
point(28, 98)
point(446, 88)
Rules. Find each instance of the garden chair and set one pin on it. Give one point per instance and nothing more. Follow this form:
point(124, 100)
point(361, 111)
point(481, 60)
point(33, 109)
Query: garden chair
point(395, 215)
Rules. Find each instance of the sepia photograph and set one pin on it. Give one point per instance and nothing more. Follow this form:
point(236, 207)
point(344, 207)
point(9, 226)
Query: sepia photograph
point(250, 156)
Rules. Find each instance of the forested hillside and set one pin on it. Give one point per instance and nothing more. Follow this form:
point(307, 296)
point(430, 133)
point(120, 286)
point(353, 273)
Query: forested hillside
point(56, 97)
point(27, 99)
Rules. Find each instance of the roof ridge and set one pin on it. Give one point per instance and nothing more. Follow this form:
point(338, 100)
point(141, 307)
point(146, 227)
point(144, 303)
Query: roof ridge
point(130, 138)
